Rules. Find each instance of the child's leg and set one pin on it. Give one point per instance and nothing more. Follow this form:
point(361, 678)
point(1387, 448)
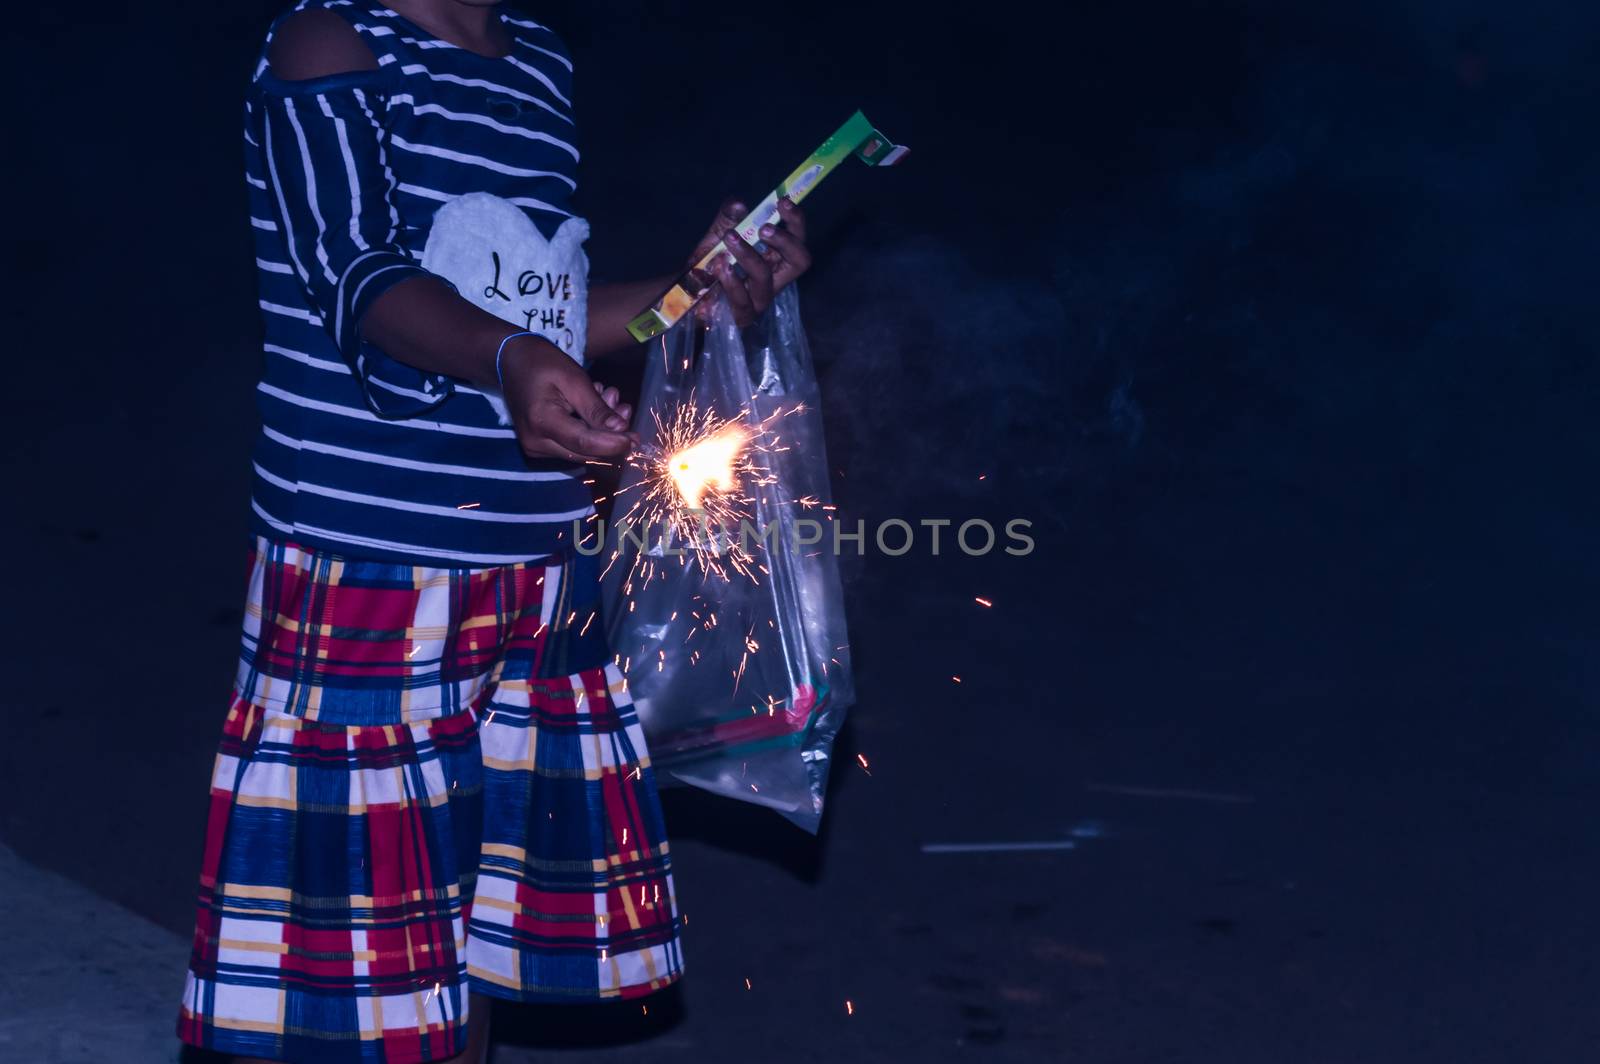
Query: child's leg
point(574, 887)
point(477, 1051)
point(335, 840)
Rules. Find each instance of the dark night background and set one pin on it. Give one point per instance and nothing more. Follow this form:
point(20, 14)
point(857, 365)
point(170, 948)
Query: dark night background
point(1276, 319)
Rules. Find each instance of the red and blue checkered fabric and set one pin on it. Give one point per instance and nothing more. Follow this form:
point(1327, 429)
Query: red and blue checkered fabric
point(430, 781)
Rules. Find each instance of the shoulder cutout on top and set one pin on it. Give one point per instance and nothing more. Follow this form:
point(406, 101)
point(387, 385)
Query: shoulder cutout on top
point(316, 43)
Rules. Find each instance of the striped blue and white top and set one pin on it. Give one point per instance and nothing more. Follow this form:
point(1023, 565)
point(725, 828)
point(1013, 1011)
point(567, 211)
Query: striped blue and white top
point(359, 454)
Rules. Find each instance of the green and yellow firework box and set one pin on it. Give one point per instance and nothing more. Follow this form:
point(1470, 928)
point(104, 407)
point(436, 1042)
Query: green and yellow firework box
point(856, 137)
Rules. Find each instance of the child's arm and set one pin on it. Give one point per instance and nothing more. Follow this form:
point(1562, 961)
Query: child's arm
point(612, 306)
point(556, 409)
point(404, 332)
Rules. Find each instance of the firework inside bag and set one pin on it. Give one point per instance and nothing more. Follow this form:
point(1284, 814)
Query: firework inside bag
point(729, 626)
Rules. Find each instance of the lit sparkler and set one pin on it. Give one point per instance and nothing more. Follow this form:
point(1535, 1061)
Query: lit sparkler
point(707, 464)
point(693, 490)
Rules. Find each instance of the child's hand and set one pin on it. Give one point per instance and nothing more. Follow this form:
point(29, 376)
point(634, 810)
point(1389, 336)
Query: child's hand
point(765, 273)
point(558, 412)
point(613, 400)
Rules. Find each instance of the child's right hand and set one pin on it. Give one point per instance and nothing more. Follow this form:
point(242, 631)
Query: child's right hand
point(557, 411)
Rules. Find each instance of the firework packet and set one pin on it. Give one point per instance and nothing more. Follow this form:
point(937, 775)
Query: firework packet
point(728, 620)
point(856, 137)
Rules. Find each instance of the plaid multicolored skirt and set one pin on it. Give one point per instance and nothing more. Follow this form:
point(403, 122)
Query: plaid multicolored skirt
point(430, 781)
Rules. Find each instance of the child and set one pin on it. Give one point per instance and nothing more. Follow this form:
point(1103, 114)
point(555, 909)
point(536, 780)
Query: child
point(431, 786)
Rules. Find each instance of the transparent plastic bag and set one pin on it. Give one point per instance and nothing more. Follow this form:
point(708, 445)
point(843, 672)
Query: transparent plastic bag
point(741, 678)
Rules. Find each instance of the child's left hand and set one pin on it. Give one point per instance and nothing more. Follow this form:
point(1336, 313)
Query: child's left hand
point(765, 273)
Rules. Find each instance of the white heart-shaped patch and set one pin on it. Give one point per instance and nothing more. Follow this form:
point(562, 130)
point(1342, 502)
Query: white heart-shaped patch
point(497, 259)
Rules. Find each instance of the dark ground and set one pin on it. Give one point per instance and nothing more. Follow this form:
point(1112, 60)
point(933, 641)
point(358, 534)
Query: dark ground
point(1277, 321)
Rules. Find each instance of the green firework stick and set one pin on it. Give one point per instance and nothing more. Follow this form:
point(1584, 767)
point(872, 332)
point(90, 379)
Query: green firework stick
point(856, 137)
